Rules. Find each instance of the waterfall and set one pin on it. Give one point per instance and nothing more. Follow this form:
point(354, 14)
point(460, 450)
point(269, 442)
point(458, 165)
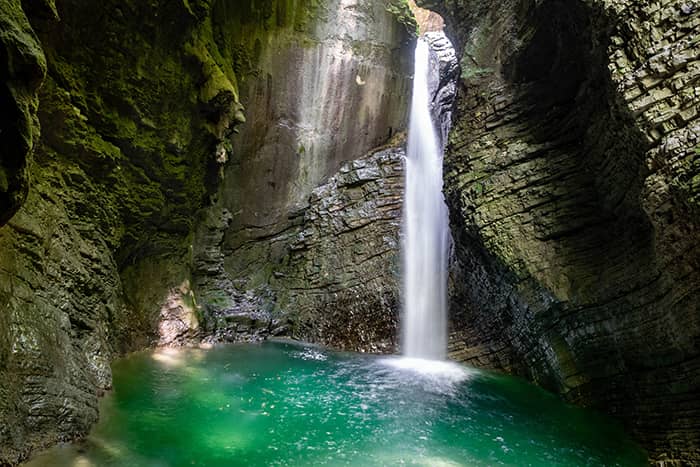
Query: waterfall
point(426, 234)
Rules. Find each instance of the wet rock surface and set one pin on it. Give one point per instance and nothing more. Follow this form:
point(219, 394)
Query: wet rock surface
point(340, 283)
point(569, 176)
point(131, 115)
point(335, 279)
point(442, 82)
point(318, 95)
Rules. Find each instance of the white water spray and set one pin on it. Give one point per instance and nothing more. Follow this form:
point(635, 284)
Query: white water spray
point(426, 234)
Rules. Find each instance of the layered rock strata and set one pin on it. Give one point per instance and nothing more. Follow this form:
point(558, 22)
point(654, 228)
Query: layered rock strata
point(337, 279)
point(340, 282)
point(571, 180)
point(318, 97)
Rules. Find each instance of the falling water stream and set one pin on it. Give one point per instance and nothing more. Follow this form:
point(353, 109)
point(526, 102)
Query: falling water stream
point(426, 234)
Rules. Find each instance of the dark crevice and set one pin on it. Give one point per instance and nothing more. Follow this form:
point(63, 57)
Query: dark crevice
point(13, 155)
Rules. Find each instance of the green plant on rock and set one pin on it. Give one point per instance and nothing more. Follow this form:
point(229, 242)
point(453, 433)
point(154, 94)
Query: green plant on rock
point(404, 15)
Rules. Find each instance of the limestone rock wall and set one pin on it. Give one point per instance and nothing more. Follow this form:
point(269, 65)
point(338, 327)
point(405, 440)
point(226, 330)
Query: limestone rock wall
point(22, 68)
point(318, 93)
point(340, 282)
point(570, 180)
point(336, 280)
point(131, 112)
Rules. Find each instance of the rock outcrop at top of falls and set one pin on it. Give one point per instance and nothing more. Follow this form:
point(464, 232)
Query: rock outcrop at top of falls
point(572, 179)
point(442, 82)
point(105, 244)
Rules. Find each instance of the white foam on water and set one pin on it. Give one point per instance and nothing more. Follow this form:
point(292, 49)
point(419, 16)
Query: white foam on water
point(431, 369)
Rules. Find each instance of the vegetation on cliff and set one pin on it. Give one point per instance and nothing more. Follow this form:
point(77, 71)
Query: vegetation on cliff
point(138, 103)
point(132, 113)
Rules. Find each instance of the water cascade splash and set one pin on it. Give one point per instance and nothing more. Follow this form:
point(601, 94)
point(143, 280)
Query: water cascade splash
point(426, 232)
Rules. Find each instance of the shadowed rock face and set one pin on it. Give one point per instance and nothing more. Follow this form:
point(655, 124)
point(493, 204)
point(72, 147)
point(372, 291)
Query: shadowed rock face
point(22, 68)
point(569, 177)
point(131, 113)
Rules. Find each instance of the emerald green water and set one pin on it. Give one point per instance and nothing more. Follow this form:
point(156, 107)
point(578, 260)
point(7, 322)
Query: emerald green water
point(283, 404)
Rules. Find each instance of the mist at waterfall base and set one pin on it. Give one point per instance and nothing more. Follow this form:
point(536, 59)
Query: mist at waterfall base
point(425, 230)
point(287, 404)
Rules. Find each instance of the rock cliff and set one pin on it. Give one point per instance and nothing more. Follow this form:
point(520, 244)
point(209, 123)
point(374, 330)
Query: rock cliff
point(22, 68)
point(316, 97)
point(131, 113)
point(571, 177)
point(340, 280)
point(110, 221)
